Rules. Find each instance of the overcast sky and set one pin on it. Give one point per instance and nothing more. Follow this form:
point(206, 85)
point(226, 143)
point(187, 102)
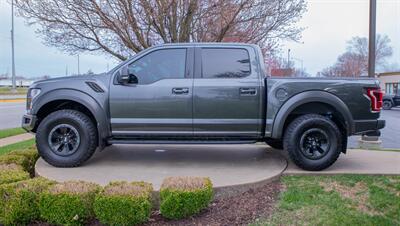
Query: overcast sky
point(328, 25)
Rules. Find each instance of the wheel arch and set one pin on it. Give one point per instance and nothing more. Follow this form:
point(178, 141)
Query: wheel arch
point(64, 99)
point(303, 100)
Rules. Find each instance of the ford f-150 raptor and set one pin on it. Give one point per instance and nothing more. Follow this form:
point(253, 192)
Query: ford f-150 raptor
point(207, 93)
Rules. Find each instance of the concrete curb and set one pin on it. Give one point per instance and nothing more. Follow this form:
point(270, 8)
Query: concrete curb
point(231, 169)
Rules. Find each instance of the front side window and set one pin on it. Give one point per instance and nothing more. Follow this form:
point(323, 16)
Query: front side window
point(225, 63)
point(160, 64)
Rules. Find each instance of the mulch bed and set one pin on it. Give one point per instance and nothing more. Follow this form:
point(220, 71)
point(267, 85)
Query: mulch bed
point(237, 210)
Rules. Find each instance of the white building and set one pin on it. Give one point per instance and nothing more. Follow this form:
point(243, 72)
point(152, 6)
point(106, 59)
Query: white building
point(390, 82)
point(19, 82)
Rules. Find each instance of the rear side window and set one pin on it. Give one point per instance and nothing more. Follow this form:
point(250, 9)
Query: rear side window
point(225, 63)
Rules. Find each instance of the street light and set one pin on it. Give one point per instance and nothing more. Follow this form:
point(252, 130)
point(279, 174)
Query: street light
point(13, 78)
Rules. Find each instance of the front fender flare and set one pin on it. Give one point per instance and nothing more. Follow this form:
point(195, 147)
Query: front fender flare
point(103, 125)
point(309, 97)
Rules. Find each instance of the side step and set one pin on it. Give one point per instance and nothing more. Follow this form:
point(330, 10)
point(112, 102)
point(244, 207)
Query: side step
point(170, 141)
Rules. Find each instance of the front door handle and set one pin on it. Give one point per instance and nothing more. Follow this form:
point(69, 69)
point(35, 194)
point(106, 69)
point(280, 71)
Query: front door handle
point(248, 91)
point(180, 91)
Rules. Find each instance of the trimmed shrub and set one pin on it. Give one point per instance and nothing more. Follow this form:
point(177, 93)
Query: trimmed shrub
point(12, 172)
point(19, 201)
point(68, 203)
point(15, 159)
point(184, 196)
point(31, 155)
point(123, 203)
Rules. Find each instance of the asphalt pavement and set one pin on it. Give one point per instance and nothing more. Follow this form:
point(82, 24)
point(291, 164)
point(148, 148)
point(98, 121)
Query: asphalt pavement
point(11, 115)
point(390, 135)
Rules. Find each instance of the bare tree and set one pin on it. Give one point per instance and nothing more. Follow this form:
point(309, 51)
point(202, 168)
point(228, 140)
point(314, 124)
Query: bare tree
point(354, 62)
point(124, 27)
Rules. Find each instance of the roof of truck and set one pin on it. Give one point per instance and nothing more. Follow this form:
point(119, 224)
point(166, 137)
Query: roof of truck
point(208, 44)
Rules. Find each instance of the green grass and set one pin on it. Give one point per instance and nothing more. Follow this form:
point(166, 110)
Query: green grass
point(11, 132)
point(17, 146)
point(338, 200)
point(7, 91)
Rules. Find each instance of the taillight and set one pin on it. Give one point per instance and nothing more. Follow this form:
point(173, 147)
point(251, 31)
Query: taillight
point(376, 96)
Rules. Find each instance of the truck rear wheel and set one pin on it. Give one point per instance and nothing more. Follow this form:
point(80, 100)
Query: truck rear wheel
point(66, 138)
point(314, 142)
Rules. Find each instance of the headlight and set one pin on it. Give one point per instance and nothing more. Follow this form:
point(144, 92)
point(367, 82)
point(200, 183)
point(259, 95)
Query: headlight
point(32, 93)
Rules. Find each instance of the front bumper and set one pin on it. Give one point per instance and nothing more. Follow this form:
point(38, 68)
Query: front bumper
point(28, 122)
point(365, 126)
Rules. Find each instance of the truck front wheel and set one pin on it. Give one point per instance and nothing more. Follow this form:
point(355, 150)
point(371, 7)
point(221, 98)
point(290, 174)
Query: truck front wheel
point(66, 138)
point(314, 142)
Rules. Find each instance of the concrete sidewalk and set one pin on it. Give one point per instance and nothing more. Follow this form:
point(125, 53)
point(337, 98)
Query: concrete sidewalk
point(15, 139)
point(357, 161)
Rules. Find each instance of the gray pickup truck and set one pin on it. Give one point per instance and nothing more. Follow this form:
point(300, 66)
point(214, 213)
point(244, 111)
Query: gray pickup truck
point(200, 93)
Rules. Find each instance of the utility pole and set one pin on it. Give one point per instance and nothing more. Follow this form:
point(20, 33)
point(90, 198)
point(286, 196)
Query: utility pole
point(372, 38)
point(288, 58)
point(371, 140)
point(66, 70)
point(12, 49)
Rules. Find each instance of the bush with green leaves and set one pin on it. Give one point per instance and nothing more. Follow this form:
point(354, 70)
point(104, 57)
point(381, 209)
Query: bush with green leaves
point(31, 155)
point(15, 159)
point(68, 203)
point(11, 172)
point(123, 203)
point(19, 201)
point(184, 196)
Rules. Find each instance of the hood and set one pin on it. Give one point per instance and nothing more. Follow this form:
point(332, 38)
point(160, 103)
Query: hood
point(68, 78)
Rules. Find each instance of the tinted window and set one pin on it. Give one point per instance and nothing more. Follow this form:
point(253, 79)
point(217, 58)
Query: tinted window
point(160, 64)
point(225, 63)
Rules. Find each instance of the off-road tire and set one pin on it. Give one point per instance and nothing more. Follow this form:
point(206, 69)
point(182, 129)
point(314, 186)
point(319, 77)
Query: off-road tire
point(275, 143)
point(387, 105)
point(298, 127)
point(87, 132)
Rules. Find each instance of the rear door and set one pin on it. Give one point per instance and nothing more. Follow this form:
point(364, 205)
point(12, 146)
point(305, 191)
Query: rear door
point(226, 92)
point(161, 102)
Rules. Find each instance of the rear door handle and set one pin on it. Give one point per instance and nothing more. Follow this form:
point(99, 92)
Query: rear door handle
point(180, 91)
point(248, 91)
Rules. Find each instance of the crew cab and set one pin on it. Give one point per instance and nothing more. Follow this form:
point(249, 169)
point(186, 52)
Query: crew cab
point(200, 93)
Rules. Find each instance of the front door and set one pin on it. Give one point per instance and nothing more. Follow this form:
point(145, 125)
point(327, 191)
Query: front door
point(226, 93)
point(161, 102)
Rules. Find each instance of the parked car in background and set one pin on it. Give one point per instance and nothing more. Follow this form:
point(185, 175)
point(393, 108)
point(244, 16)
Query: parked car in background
point(390, 101)
point(200, 93)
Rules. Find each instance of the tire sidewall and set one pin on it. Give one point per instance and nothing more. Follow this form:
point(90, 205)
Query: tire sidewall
point(388, 107)
point(57, 118)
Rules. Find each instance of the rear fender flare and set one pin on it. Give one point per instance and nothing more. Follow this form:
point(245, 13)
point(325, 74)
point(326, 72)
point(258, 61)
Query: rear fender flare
point(309, 97)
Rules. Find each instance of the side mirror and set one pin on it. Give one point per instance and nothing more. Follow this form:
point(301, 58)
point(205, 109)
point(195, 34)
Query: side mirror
point(125, 77)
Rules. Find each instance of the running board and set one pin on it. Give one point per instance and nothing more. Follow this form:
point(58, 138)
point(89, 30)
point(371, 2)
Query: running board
point(137, 141)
